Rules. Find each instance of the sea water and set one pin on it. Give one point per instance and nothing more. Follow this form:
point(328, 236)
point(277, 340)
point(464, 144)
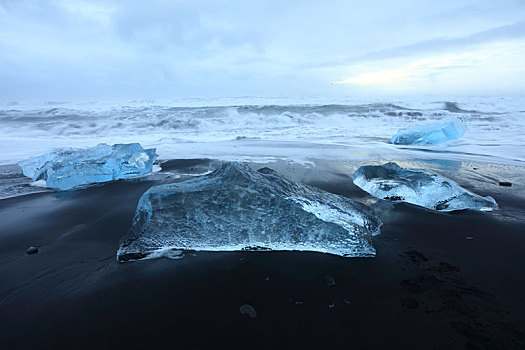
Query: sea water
point(256, 129)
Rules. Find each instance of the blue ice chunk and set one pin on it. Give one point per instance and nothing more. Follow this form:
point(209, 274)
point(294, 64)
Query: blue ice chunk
point(438, 132)
point(394, 183)
point(65, 168)
point(238, 208)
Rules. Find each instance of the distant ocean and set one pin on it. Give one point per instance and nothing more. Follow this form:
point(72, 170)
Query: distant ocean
point(263, 129)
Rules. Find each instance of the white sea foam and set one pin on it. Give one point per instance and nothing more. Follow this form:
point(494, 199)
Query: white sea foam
point(267, 129)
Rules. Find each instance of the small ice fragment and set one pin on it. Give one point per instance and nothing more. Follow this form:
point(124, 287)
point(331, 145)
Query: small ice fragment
point(156, 168)
point(237, 208)
point(437, 132)
point(39, 183)
point(415, 186)
point(65, 168)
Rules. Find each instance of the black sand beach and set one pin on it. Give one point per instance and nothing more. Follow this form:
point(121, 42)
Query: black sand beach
point(438, 281)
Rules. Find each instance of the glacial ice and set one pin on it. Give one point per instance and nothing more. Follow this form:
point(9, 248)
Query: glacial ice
point(65, 168)
point(392, 182)
point(438, 132)
point(237, 208)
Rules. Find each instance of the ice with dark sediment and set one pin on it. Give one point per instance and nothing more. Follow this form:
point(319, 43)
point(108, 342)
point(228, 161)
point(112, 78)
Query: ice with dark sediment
point(238, 208)
point(65, 168)
point(437, 132)
point(415, 186)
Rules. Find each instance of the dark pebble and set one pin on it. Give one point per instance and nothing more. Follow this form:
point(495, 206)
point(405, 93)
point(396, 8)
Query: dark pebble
point(131, 256)
point(329, 280)
point(247, 309)
point(32, 250)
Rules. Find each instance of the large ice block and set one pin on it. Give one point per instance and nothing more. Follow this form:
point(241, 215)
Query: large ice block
point(65, 168)
point(438, 132)
point(237, 208)
point(392, 182)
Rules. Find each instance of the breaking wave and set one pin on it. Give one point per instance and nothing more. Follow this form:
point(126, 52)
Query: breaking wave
point(494, 127)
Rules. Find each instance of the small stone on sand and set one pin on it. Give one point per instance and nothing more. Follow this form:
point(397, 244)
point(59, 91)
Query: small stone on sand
point(32, 250)
point(248, 310)
point(329, 280)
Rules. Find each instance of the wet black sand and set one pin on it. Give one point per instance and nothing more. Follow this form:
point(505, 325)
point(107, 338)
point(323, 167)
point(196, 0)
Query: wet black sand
point(438, 281)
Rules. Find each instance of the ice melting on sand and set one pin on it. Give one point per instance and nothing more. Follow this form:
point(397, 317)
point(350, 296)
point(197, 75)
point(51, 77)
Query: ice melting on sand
point(237, 208)
point(65, 168)
point(442, 131)
point(391, 182)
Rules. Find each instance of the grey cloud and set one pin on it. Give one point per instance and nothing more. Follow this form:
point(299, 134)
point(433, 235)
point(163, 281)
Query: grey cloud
point(159, 48)
point(507, 32)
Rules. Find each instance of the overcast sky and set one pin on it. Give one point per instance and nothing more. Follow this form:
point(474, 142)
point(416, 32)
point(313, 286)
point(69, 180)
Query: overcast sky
point(72, 49)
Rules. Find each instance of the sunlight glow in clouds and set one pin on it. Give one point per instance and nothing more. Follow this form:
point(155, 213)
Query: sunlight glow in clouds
point(415, 71)
point(79, 49)
point(501, 59)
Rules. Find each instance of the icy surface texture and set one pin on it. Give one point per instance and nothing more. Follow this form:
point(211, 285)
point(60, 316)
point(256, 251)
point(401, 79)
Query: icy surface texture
point(237, 208)
point(443, 131)
point(65, 168)
point(391, 182)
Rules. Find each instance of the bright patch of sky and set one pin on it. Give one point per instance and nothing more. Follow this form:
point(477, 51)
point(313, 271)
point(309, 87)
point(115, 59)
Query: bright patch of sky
point(73, 49)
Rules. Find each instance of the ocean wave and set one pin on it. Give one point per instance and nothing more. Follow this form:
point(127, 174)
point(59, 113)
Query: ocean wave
point(493, 130)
